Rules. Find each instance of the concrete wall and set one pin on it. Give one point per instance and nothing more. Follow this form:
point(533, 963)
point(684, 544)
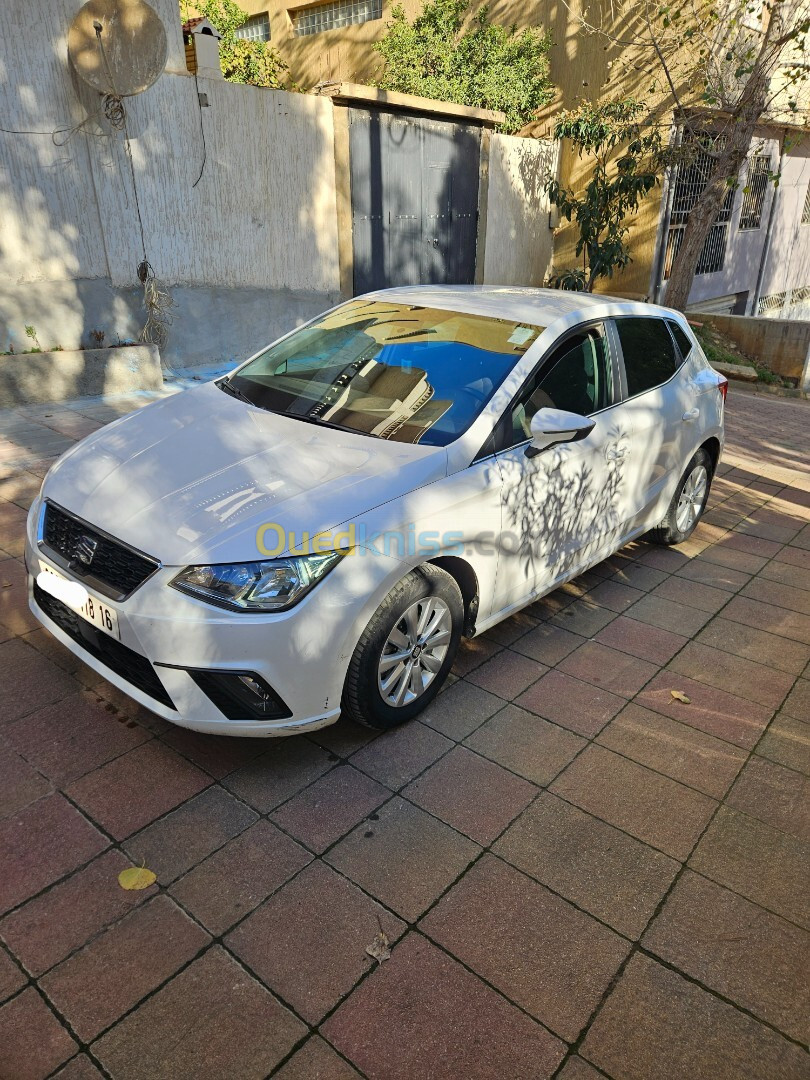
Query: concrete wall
point(787, 267)
point(248, 251)
point(518, 237)
point(784, 345)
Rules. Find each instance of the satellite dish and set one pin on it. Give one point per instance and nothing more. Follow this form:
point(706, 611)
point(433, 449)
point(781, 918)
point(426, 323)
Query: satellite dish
point(134, 46)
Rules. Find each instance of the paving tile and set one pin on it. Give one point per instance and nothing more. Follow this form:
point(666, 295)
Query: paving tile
point(537, 949)
point(738, 949)
point(398, 756)
point(797, 703)
point(238, 877)
point(794, 556)
point(507, 674)
point(40, 844)
point(774, 620)
point(78, 1068)
point(12, 527)
point(778, 796)
point(668, 559)
point(611, 670)
point(28, 681)
point(584, 617)
point(460, 709)
point(313, 962)
point(526, 744)
point(640, 576)
point(186, 836)
point(150, 944)
point(15, 614)
point(211, 1021)
point(680, 752)
point(668, 615)
point(578, 1069)
point(794, 576)
point(133, 790)
point(55, 923)
point(548, 644)
point(12, 978)
point(406, 859)
point(753, 545)
point(34, 1042)
point(736, 675)
point(422, 1014)
point(657, 1024)
point(216, 754)
point(508, 631)
point(753, 644)
point(641, 640)
point(343, 737)
point(329, 808)
point(773, 592)
point(19, 783)
point(44, 642)
point(66, 740)
point(759, 862)
point(615, 595)
point(471, 793)
point(693, 594)
point(473, 652)
point(711, 710)
point(754, 526)
point(787, 741)
point(611, 875)
point(649, 806)
point(743, 561)
point(270, 779)
point(716, 576)
point(571, 703)
point(316, 1060)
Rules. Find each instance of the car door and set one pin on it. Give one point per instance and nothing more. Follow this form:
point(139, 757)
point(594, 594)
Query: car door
point(660, 410)
point(560, 506)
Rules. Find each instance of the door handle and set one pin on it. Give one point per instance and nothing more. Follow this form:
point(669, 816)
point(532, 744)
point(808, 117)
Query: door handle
point(615, 452)
point(692, 414)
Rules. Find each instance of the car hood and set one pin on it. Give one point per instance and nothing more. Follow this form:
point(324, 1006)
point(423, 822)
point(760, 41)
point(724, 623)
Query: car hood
point(193, 477)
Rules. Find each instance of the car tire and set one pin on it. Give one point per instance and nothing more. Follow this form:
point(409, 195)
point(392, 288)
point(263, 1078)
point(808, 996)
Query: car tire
point(389, 660)
point(688, 503)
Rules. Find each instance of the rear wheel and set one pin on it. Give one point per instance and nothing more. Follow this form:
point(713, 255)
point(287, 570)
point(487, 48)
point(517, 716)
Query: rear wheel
point(406, 651)
point(688, 502)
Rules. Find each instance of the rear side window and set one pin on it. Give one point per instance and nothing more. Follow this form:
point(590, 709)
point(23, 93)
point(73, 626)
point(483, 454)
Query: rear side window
point(649, 353)
point(684, 344)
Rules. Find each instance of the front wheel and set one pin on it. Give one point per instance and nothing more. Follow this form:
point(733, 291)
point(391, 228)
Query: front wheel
point(406, 651)
point(688, 502)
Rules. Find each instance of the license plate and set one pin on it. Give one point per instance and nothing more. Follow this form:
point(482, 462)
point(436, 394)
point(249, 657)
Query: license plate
point(92, 609)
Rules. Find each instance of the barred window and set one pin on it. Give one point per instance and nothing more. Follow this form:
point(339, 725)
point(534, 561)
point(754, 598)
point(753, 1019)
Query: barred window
point(313, 20)
point(690, 180)
point(257, 28)
point(754, 194)
point(806, 211)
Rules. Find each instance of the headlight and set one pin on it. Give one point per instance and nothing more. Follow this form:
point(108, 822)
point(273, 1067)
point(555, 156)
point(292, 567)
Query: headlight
point(272, 585)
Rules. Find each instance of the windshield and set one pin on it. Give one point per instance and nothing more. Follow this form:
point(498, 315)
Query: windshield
point(394, 371)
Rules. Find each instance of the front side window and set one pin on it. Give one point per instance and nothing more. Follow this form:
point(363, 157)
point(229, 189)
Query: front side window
point(576, 377)
point(649, 353)
point(395, 371)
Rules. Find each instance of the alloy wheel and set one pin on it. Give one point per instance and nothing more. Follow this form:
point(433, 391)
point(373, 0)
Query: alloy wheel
point(414, 651)
point(690, 502)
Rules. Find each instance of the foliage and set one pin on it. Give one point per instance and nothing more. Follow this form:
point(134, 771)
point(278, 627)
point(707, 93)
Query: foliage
point(471, 62)
point(253, 62)
point(628, 160)
point(571, 279)
point(30, 332)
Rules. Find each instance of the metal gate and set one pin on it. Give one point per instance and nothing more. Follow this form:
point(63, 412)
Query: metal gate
point(414, 183)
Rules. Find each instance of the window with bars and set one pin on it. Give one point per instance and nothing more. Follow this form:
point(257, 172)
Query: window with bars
point(806, 211)
point(754, 194)
point(313, 20)
point(690, 180)
point(257, 28)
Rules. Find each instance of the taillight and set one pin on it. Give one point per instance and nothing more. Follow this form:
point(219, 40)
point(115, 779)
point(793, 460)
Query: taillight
point(722, 386)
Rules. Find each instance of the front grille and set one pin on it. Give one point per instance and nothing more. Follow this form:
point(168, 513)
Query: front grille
point(127, 663)
point(117, 569)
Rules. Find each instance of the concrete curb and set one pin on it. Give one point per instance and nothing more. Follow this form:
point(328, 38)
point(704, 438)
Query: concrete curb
point(41, 378)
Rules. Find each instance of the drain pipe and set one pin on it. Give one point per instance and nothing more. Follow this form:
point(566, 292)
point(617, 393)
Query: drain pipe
point(766, 247)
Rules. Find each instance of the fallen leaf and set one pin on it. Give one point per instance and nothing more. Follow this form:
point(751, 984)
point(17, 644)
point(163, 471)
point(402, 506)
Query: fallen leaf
point(379, 947)
point(136, 877)
point(680, 696)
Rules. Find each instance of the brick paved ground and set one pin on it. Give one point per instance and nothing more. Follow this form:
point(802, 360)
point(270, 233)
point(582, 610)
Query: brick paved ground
point(579, 875)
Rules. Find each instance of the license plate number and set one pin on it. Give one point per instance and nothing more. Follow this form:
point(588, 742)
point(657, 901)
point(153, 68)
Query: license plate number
point(95, 611)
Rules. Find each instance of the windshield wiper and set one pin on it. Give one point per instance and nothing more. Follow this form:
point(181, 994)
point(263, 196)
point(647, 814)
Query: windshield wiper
point(329, 424)
point(234, 391)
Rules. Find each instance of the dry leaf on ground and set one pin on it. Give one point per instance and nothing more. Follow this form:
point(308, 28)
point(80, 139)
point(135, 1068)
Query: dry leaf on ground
point(379, 947)
point(136, 877)
point(679, 695)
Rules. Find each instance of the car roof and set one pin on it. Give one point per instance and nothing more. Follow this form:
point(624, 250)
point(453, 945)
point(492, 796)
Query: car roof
point(540, 307)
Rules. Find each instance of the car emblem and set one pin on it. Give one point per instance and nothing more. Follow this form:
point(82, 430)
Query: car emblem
point(85, 550)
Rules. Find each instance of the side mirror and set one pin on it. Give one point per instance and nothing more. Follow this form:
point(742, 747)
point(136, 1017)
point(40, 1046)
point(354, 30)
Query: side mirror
point(552, 426)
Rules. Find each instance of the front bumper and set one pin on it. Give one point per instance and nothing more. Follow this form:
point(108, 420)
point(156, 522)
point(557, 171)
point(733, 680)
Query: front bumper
point(302, 654)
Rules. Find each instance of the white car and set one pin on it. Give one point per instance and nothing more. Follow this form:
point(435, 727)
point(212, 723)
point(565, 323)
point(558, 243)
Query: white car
point(314, 533)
